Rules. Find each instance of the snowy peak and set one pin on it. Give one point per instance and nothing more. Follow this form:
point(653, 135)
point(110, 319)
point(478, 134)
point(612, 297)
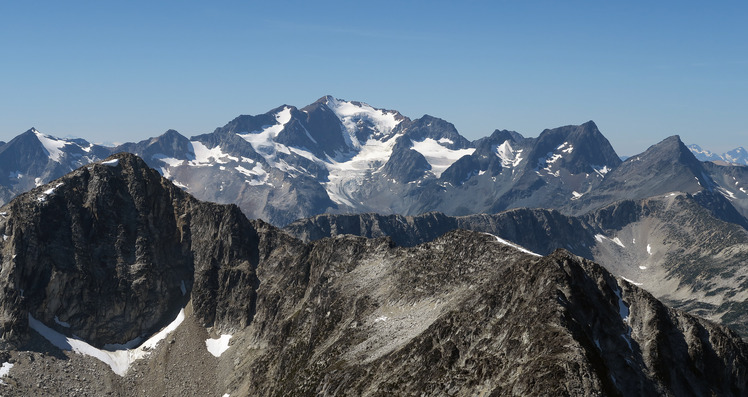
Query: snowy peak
point(735, 156)
point(429, 127)
point(576, 148)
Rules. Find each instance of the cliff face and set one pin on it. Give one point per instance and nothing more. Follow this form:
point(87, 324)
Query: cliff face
point(112, 251)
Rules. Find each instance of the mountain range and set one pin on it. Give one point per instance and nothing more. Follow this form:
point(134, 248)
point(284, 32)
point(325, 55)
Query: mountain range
point(735, 156)
point(117, 282)
point(337, 156)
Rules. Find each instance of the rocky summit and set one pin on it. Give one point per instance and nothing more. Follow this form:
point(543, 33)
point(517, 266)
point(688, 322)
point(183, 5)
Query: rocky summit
point(116, 282)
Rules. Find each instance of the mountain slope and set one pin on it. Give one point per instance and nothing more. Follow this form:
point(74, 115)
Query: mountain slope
point(670, 245)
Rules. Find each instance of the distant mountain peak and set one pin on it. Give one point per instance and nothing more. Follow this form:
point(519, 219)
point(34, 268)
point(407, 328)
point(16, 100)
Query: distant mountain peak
point(735, 156)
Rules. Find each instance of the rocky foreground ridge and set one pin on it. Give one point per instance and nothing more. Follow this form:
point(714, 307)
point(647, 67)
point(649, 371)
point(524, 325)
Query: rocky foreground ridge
point(113, 251)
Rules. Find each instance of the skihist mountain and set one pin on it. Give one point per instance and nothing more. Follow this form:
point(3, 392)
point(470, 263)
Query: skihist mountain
point(141, 289)
point(335, 156)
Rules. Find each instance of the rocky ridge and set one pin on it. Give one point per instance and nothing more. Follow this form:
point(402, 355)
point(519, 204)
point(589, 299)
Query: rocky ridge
point(670, 245)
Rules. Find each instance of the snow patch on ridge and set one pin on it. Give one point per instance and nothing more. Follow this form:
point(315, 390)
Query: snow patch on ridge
point(511, 244)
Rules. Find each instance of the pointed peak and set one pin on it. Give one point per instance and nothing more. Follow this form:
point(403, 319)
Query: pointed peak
point(171, 134)
point(590, 124)
point(324, 100)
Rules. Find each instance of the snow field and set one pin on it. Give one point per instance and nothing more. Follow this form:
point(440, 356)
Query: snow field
point(119, 357)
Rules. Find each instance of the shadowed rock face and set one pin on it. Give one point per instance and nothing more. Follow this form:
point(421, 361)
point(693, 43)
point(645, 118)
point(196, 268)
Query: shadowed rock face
point(108, 249)
point(464, 314)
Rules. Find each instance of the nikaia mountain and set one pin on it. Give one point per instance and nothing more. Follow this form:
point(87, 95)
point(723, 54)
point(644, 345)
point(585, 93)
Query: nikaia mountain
point(115, 280)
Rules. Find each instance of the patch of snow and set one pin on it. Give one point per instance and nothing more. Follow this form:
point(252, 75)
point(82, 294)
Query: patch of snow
point(649, 249)
point(62, 323)
point(263, 141)
point(171, 161)
point(632, 281)
point(509, 157)
point(642, 268)
point(52, 190)
point(382, 318)
point(4, 371)
point(602, 170)
point(209, 156)
point(440, 157)
point(52, 146)
point(616, 240)
point(219, 345)
point(257, 174)
point(37, 181)
point(726, 193)
point(446, 141)
point(110, 163)
point(15, 174)
point(565, 149)
point(178, 184)
point(120, 359)
point(553, 158)
point(576, 195)
point(511, 244)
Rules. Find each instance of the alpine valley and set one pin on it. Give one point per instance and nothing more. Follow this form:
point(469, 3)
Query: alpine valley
point(341, 249)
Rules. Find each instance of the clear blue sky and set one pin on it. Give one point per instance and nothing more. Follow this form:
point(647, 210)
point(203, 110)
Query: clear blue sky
point(125, 71)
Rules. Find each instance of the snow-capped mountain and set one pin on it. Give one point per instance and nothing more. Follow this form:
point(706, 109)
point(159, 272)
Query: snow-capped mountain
point(735, 156)
point(337, 156)
point(33, 158)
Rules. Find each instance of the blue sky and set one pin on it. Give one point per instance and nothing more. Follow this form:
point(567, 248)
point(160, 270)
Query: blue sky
point(125, 71)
